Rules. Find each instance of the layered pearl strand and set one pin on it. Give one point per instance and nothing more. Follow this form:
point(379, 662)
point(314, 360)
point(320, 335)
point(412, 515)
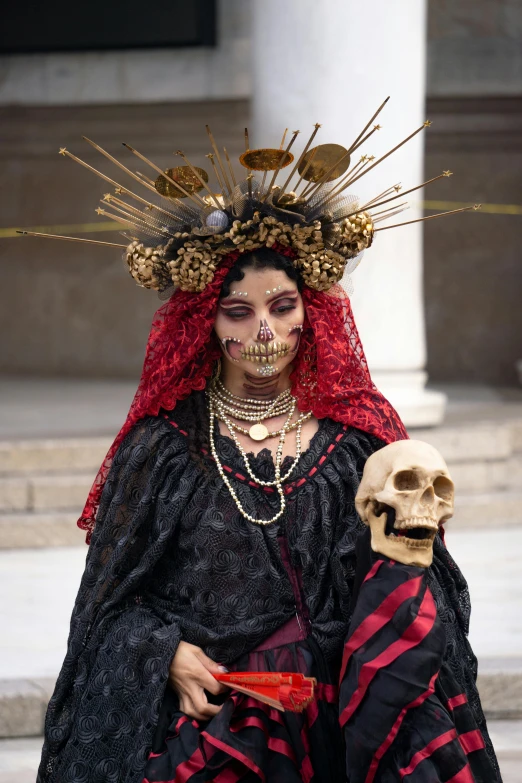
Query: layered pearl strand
point(227, 404)
point(223, 404)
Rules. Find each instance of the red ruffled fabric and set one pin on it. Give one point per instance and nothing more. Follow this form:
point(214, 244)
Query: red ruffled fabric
point(330, 377)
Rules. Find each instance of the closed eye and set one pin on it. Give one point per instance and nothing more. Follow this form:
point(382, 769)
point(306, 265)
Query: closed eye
point(284, 305)
point(235, 314)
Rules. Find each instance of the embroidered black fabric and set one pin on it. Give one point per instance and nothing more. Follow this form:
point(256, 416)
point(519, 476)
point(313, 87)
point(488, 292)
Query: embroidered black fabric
point(172, 558)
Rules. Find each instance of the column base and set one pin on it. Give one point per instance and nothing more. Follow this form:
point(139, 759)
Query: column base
point(406, 391)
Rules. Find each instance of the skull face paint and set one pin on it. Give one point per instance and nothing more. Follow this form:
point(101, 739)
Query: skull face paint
point(259, 333)
point(294, 337)
point(232, 347)
point(265, 333)
point(405, 494)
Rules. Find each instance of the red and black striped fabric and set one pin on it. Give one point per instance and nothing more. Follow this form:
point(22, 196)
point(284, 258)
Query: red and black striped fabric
point(403, 715)
point(251, 742)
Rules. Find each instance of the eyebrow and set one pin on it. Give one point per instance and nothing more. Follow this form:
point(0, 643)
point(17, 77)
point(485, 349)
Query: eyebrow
point(235, 300)
point(232, 301)
point(279, 294)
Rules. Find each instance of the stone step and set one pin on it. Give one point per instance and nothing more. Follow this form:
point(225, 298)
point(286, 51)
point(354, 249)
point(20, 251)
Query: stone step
point(23, 702)
point(491, 509)
point(485, 442)
point(476, 442)
point(44, 483)
point(22, 706)
point(29, 529)
point(22, 457)
point(39, 492)
point(483, 476)
point(68, 491)
point(19, 758)
point(500, 686)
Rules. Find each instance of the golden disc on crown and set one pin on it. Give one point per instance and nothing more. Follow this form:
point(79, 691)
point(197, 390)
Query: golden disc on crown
point(258, 431)
point(265, 159)
point(186, 178)
point(322, 159)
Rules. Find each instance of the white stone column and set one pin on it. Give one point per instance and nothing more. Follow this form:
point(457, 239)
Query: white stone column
point(334, 62)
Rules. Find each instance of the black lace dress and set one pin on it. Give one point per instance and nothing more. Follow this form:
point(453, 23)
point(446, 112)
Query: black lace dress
point(172, 558)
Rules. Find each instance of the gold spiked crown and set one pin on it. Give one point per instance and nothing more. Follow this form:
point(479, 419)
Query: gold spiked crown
point(178, 238)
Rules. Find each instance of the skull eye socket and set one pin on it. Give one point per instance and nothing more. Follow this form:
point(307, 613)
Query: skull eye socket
point(443, 488)
point(406, 481)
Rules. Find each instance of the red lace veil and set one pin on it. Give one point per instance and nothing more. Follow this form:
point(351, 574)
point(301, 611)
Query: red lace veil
point(331, 376)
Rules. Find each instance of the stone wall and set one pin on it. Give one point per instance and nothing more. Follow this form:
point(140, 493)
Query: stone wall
point(474, 48)
point(136, 76)
point(70, 309)
point(472, 262)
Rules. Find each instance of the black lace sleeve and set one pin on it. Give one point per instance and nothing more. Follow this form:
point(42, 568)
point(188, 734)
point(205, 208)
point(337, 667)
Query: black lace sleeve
point(102, 715)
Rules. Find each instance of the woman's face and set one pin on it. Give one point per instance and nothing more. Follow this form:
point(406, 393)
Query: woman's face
point(259, 327)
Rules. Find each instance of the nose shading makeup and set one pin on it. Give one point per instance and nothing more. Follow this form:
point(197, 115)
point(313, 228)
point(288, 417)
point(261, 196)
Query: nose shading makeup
point(265, 333)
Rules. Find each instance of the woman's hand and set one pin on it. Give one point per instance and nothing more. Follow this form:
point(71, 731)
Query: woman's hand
point(190, 675)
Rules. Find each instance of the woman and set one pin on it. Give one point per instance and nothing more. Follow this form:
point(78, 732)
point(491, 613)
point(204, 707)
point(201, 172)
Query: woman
point(226, 530)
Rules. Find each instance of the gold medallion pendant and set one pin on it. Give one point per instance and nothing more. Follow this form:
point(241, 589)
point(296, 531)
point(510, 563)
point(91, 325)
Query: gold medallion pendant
point(258, 431)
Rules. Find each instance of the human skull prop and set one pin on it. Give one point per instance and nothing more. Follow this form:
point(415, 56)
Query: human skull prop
point(405, 494)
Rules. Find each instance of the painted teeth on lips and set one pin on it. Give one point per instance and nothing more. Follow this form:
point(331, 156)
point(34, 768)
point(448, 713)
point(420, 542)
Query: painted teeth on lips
point(265, 354)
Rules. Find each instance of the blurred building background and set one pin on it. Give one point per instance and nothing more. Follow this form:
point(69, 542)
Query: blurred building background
point(66, 308)
point(440, 301)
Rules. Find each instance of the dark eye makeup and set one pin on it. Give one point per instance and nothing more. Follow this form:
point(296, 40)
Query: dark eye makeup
point(282, 305)
point(279, 306)
point(236, 314)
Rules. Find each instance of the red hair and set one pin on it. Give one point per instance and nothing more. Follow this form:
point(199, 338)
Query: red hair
point(330, 376)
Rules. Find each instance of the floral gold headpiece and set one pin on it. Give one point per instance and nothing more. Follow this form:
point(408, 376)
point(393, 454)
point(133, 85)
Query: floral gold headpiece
point(179, 236)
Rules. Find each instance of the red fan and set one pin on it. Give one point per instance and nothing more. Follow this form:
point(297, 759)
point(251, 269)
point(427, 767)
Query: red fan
point(282, 690)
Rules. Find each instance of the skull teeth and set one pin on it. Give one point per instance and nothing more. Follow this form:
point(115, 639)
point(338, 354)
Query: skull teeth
point(265, 354)
point(402, 526)
point(428, 522)
point(414, 543)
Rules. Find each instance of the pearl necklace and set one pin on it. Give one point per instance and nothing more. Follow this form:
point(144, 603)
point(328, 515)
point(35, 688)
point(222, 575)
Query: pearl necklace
point(224, 411)
point(251, 410)
point(302, 418)
point(215, 413)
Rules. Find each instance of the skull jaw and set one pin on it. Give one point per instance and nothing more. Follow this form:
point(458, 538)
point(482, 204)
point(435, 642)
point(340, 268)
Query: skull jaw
point(395, 548)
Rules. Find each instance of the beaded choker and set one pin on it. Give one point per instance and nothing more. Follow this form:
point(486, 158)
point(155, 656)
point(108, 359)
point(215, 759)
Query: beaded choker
point(228, 404)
